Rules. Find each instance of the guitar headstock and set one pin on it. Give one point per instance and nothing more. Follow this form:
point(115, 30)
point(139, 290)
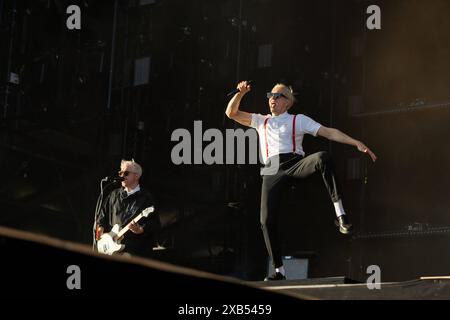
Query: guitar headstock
point(147, 211)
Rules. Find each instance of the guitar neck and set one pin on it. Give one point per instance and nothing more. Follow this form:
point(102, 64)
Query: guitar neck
point(127, 227)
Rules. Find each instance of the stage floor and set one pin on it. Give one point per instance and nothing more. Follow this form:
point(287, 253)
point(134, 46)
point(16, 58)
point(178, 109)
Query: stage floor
point(425, 288)
point(50, 259)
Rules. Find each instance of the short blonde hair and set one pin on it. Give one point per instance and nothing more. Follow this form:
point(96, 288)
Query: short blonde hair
point(136, 167)
point(288, 92)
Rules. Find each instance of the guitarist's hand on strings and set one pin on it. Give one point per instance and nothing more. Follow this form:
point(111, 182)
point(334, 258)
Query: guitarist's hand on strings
point(136, 228)
point(98, 232)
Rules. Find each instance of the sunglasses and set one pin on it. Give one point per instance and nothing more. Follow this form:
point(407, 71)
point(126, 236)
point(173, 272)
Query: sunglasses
point(124, 173)
point(275, 95)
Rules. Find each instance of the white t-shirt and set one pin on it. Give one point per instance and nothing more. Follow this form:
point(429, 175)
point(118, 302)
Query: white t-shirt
point(129, 193)
point(278, 130)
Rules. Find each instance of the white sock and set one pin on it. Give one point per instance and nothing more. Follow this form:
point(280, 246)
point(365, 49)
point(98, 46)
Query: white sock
point(281, 270)
point(339, 208)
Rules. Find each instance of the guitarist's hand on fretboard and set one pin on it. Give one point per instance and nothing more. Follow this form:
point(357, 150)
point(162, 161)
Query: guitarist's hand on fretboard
point(136, 228)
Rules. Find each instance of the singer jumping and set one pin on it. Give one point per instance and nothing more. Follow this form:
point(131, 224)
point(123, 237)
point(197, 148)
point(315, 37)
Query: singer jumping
point(281, 135)
point(124, 204)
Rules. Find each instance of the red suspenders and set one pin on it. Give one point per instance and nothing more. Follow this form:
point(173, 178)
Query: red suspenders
point(293, 135)
point(265, 137)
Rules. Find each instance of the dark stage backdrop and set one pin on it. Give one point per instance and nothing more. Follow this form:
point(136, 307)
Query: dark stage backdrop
point(138, 70)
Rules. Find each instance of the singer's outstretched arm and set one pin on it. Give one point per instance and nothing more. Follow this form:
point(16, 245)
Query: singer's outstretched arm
point(233, 111)
point(338, 136)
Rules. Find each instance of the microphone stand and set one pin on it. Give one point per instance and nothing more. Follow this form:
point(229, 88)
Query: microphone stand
point(98, 207)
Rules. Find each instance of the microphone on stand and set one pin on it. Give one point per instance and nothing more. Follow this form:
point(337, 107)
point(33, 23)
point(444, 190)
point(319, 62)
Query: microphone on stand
point(113, 179)
point(232, 93)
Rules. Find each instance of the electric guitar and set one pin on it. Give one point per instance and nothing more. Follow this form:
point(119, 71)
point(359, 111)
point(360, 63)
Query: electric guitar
point(109, 243)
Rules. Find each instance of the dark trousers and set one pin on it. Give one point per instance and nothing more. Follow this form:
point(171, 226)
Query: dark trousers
point(274, 185)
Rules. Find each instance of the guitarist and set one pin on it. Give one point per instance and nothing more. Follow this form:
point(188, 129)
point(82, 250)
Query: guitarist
point(123, 204)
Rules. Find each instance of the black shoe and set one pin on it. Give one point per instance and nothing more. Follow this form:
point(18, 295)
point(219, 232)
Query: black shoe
point(344, 226)
point(275, 276)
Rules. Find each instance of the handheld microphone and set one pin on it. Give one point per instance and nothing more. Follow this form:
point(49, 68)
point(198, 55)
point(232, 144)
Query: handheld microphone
point(232, 93)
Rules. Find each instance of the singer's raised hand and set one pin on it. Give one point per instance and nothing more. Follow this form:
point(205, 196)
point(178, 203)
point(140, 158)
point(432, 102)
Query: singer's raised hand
point(244, 87)
point(232, 111)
